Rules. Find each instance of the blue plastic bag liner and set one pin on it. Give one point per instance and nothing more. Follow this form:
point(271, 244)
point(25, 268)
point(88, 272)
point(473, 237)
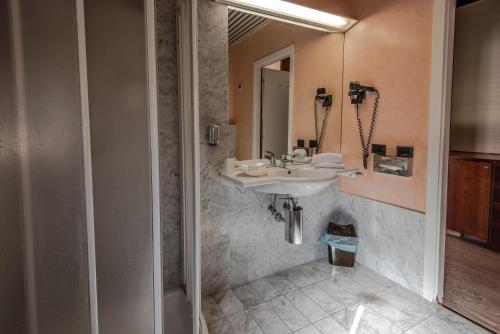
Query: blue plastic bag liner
point(347, 244)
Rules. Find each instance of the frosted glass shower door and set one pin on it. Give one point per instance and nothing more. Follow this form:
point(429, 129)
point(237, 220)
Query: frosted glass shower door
point(121, 164)
point(51, 167)
point(85, 180)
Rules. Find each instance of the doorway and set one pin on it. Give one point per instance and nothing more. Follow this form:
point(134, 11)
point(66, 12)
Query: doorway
point(274, 110)
point(273, 104)
point(472, 251)
point(462, 267)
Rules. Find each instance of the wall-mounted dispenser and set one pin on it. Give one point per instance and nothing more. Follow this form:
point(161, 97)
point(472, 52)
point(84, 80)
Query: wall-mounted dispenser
point(400, 165)
point(213, 134)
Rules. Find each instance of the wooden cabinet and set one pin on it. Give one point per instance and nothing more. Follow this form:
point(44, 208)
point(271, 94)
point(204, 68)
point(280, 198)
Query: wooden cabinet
point(473, 205)
point(469, 193)
point(495, 209)
point(472, 270)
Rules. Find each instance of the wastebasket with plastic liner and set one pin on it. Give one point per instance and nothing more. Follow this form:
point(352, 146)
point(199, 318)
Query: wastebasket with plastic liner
point(342, 243)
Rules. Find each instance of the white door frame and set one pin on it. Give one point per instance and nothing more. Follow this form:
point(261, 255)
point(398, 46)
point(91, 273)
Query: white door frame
point(287, 52)
point(187, 26)
point(438, 147)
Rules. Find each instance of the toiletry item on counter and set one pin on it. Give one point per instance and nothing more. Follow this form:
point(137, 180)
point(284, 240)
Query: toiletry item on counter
point(313, 147)
point(256, 167)
point(301, 145)
point(230, 164)
point(328, 160)
point(299, 155)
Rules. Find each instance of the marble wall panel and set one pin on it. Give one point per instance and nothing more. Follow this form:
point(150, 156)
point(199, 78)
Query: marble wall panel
point(168, 118)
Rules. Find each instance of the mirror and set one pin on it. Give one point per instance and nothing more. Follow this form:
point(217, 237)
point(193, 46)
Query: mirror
point(275, 70)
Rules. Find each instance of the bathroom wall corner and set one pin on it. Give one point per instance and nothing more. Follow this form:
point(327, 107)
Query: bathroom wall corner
point(213, 86)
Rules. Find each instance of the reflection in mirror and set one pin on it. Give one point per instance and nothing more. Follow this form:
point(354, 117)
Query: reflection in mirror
point(274, 133)
point(275, 70)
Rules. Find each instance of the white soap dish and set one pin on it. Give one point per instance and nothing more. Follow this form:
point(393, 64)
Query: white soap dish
point(254, 167)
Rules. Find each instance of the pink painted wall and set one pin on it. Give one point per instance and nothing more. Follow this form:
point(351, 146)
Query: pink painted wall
point(390, 48)
point(318, 63)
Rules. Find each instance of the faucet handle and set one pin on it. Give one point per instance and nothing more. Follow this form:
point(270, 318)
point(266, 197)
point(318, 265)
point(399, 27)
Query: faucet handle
point(270, 156)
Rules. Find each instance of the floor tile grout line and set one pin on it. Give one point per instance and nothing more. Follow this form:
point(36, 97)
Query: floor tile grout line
point(305, 317)
point(255, 320)
point(396, 307)
point(311, 322)
point(328, 316)
point(312, 299)
point(385, 318)
point(333, 297)
point(285, 279)
point(273, 313)
point(217, 305)
point(423, 320)
point(229, 322)
point(276, 314)
point(245, 309)
point(225, 318)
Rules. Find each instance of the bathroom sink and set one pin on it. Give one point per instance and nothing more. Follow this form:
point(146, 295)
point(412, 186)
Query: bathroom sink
point(295, 181)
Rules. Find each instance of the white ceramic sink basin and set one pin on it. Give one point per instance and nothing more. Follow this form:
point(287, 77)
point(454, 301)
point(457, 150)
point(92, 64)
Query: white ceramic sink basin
point(296, 181)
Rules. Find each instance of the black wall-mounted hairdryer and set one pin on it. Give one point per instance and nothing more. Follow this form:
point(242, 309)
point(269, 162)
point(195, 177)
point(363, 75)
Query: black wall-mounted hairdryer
point(324, 98)
point(357, 92)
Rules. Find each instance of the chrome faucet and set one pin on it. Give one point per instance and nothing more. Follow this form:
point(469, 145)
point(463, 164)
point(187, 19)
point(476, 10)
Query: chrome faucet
point(285, 159)
point(270, 156)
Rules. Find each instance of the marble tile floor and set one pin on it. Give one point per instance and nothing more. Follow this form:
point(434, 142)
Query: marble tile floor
point(317, 298)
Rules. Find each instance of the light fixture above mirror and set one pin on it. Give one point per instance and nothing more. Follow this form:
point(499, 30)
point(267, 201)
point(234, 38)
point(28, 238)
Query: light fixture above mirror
point(292, 13)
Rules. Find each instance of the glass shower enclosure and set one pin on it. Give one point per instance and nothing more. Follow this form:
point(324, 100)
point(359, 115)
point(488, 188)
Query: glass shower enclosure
point(80, 233)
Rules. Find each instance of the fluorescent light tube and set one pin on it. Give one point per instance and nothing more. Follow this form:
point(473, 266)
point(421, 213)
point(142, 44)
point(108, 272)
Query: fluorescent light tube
point(292, 13)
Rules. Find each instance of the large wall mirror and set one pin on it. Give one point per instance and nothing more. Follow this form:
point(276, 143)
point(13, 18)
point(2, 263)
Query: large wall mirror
point(275, 70)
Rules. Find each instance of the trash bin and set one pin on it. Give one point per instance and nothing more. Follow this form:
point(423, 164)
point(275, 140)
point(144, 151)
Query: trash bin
point(342, 243)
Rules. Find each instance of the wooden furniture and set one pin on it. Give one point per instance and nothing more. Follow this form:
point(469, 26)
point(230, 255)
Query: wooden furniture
point(472, 282)
point(472, 269)
point(473, 209)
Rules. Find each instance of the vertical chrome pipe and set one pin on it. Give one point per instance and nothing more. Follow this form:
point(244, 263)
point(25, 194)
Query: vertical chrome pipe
point(293, 222)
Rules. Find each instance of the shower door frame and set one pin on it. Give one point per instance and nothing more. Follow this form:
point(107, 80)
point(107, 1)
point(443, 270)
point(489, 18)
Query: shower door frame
point(187, 30)
point(150, 28)
point(154, 146)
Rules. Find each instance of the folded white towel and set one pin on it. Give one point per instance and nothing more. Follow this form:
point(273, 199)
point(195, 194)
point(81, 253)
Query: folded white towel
point(334, 158)
point(329, 165)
